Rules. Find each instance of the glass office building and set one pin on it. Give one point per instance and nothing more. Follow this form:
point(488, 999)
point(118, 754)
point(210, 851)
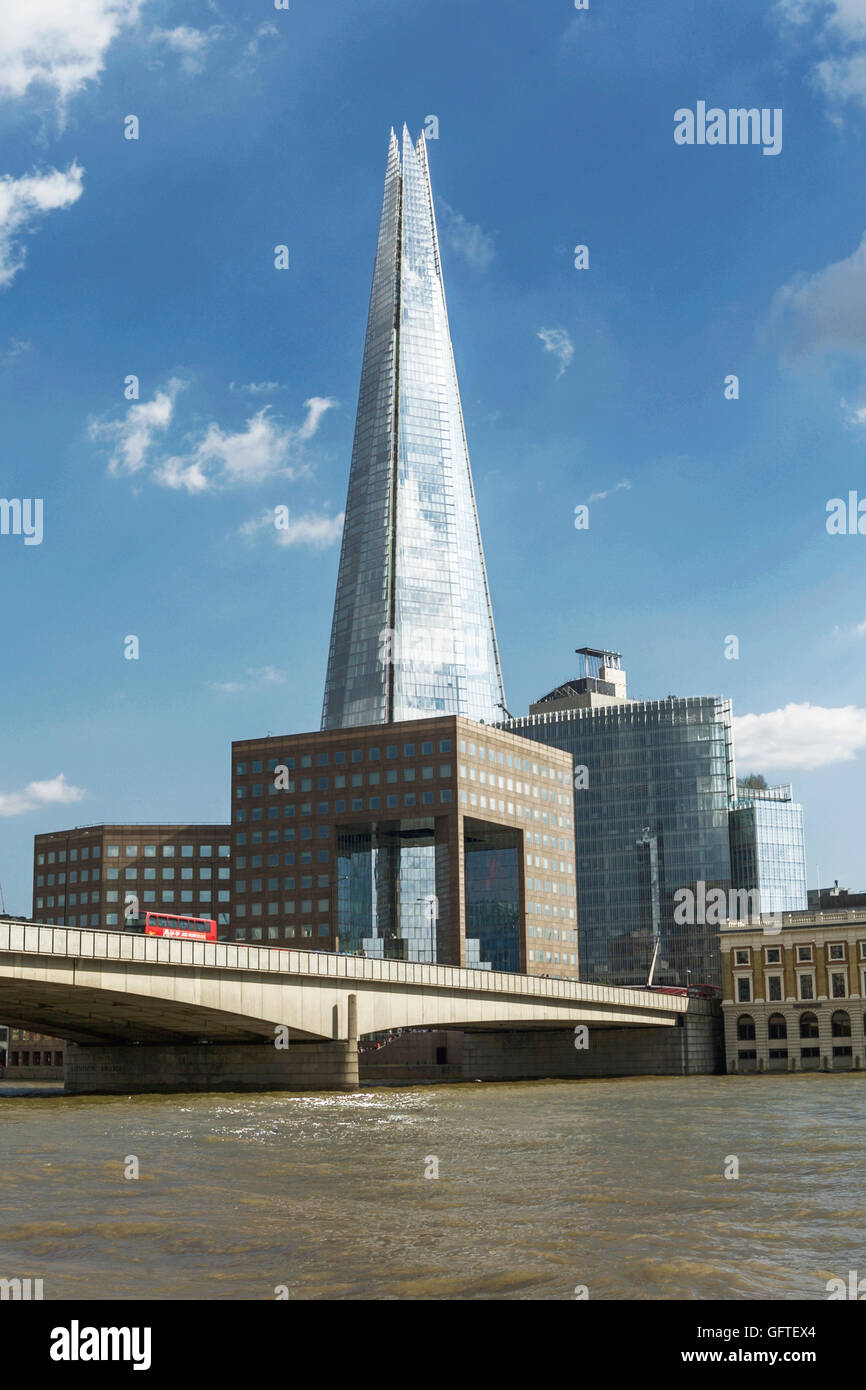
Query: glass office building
point(768, 851)
point(412, 632)
point(653, 784)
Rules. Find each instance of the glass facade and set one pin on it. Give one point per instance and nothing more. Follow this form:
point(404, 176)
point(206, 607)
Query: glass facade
point(650, 819)
point(768, 851)
point(387, 906)
point(412, 633)
point(492, 886)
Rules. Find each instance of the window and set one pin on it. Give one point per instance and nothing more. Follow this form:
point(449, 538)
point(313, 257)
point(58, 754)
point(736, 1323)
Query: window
point(744, 986)
point(836, 950)
point(745, 1028)
point(840, 1025)
point(168, 851)
point(807, 986)
point(804, 953)
point(774, 955)
point(777, 1028)
point(838, 984)
point(741, 957)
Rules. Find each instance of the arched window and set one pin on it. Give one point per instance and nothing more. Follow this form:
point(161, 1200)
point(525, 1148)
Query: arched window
point(840, 1024)
point(745, 1028)
point(777, 1027)
point(808, 1026)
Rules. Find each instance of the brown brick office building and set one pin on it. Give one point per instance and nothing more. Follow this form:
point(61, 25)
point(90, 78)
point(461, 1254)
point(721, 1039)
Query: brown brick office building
point(81, 876)
point(434, 839)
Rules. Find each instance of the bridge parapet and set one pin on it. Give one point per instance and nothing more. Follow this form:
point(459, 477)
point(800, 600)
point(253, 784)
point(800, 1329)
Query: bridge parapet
point(94, 945)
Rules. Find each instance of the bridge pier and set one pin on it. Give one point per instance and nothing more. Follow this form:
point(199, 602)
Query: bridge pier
point(152, 1067)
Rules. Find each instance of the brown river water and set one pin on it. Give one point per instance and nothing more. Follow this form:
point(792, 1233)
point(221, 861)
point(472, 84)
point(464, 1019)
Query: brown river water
point(618, 1186)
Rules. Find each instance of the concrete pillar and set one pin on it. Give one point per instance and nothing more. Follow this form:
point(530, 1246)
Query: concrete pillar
point(352, 1019)
point(158, 1067)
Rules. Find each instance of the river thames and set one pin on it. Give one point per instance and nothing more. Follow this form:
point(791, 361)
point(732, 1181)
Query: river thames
point(543, 1188)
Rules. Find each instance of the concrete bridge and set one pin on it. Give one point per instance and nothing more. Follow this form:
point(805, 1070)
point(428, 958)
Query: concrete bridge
point(146, 1013)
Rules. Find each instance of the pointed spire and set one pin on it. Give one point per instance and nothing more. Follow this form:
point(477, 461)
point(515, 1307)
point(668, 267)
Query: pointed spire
point(413, 627)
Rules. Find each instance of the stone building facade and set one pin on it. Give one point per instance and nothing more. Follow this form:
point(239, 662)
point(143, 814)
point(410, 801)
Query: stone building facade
point(794, 992)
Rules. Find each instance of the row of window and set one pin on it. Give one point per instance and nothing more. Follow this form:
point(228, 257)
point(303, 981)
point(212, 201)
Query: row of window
point(167, 851)
point(168, 895)
point(36, 1059)
point(512, 785)
point(305, 856)
point(373, 803)
point(340, 758)
point(341, 782)
point(274, 933)
point(59, 856)
point(807, 1025)
point(806, 987)
point(507, 760)
point(521, 812)
point(131, 852)
point(548, 958)
point(85, 875)
point(836, 950)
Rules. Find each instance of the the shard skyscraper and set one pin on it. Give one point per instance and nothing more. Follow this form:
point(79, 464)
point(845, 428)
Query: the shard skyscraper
point(413, 633)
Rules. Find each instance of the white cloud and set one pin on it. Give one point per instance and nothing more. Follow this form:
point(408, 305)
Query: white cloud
point(23, 201)
point(60, 44)
point(824, 311)
point(264, 31)
point(255, 388)
point(315, 407)
point(57, 792)
point(248, 456)
point(465, 238)
point(800, 736)
point(132, 437)
point(600, 496)
point(219, 458)
point(838, 29)
point(557, 341)
point(256, 678)
point(313, 530)
point(190, 43)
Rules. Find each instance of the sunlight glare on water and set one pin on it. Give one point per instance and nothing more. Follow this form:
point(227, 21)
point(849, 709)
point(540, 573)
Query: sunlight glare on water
point(543, 1186)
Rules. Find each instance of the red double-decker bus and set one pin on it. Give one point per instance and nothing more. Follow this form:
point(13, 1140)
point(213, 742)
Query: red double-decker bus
point(163, 924)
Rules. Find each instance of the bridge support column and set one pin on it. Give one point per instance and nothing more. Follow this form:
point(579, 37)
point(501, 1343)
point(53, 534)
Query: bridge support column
point(152, 1067)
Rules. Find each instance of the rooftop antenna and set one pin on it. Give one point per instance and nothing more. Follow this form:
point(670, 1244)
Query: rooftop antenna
point(2, 901)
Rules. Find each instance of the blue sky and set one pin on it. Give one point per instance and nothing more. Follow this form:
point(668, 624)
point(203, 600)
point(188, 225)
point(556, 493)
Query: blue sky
point(155, 257)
